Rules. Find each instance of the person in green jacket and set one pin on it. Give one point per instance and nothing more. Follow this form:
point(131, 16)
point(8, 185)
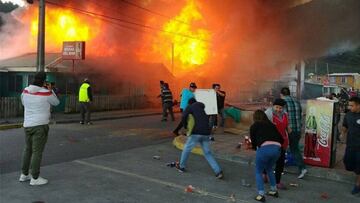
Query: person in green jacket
point(85, 98)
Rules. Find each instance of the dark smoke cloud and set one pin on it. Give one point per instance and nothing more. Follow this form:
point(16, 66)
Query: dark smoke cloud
point(253, 40)
point(259, 40)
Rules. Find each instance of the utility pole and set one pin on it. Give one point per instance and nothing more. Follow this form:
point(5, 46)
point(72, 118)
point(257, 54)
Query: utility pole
point(40, 60)
point(172, 58)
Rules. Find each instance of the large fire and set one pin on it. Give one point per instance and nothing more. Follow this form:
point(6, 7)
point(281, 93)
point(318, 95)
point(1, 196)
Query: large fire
point(189, 46)
point(62, 25)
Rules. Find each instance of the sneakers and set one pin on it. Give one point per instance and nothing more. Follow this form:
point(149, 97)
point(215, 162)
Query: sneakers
point(24, 178)
point(302, 174)
point(82, 122)
point(181, 170)
point(89, 123)
point(281, 186)
point(220, 175)
point(38, 181)
point(177, 166)
point(355, 190)
point(273, 193)
point(260, 198)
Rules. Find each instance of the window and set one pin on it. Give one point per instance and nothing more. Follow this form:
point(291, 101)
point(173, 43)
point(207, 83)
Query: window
point(343, 80)
point(30, 79)
point(11, 83)
point(15, 83)
point(332, 80)
point(19, 83)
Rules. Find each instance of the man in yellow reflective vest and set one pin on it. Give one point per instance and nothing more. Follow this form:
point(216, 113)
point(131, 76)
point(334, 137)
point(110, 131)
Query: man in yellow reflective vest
point(85, 97)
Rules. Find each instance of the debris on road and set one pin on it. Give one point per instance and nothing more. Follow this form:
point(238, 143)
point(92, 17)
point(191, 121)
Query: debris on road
point(244, 183)
point(294, 185)
point(324, 195)
point(156, 157)
point(172, 164)
point(232, 198)
point(189, 188)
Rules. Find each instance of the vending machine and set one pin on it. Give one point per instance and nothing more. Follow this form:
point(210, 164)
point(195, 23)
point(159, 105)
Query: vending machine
point(321, 129)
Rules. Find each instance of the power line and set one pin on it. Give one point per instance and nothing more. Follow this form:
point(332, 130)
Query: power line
point(110, 8)
point(153, 12)
point(124, 21)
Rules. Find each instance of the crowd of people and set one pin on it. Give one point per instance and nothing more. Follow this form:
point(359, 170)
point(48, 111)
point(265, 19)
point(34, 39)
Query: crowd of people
point(273, 131)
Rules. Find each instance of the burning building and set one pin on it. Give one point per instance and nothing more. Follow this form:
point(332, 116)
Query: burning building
point(239, 44)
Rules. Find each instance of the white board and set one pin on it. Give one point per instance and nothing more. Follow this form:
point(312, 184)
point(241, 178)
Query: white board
point(208, 97)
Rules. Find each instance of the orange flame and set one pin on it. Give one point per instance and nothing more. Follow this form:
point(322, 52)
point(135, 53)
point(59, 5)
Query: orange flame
point(190, 45)
point(62, 25)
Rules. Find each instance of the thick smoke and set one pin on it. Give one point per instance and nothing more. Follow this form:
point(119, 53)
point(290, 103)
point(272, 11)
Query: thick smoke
point(252, 40)
point(14, 35)
point(256, 41)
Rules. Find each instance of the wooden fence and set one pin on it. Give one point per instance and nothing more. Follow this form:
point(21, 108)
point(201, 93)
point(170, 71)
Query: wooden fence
point(108, 102)
point(10, 107)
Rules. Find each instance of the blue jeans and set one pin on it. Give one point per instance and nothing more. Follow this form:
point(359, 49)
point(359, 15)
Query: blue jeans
point(266, 157)
point(203, 140)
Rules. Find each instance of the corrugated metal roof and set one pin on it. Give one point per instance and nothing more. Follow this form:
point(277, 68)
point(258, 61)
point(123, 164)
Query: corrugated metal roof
point(344, 74)
point(26, 62)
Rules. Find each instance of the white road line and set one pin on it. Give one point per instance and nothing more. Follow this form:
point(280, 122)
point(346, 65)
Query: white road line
point(161, 182)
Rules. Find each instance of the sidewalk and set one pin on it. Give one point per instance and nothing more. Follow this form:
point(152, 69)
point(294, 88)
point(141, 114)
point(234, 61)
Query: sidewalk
point(224, 147)
point(74, 118)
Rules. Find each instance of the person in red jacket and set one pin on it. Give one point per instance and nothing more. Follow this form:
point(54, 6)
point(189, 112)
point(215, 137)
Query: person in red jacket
point(279, 118)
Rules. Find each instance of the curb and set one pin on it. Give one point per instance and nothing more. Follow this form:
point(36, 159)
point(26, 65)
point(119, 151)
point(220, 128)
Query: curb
point(19, 125)
point(10, 126)
point(317, 172)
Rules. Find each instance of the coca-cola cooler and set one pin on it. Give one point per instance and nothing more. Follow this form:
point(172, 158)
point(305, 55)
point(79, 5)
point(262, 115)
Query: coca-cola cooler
point(322, 117)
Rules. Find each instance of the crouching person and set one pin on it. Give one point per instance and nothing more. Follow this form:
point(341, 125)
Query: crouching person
point(37, 101)
point(266, 140)
point(199, 135)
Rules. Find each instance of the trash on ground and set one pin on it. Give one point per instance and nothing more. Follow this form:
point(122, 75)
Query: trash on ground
point(232, 198)
point(294, 185)
point(244, 183)
point(172, 164)
point(156, 157)
point(324, 195)
point(189, 188)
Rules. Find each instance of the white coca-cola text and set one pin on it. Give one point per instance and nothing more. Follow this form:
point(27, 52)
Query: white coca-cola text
point(325, 130)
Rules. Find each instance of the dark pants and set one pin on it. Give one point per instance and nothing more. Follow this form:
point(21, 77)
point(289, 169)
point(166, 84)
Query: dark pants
point(294, 138)
point(85, 108)
point(180, 125)
point(35, 140)
point(279, 168)
point(214, 119)
point(168, 106)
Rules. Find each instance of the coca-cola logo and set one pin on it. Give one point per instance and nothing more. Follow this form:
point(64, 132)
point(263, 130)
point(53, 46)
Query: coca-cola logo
point(325, 130)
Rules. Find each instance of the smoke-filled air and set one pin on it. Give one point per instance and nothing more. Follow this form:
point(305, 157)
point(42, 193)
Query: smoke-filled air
point(217, 41)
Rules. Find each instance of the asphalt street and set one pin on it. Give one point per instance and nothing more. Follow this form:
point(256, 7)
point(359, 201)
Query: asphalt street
point(112, 161)
point(67, 142)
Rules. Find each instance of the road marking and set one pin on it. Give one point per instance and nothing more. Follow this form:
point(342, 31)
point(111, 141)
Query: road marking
point(161, 182)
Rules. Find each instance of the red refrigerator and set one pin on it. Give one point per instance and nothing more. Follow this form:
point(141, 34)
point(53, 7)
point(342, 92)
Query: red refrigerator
point(320, 132)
